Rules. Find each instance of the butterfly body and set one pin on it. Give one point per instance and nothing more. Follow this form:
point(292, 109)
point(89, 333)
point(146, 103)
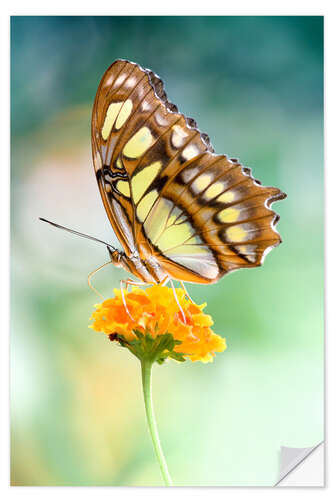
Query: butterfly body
point(147, 270)
point(179, 209)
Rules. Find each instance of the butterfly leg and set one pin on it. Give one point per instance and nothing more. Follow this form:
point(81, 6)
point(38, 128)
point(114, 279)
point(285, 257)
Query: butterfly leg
point(136, 283)
point(90, 275)
point(126, 282)
point(178, 303)
point(186, 292)
point(142, 283)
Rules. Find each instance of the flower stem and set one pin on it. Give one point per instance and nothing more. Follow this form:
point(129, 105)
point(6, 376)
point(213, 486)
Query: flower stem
point(146, 369)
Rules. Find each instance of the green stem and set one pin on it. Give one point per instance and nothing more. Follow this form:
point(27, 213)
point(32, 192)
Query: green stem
point(146, 369)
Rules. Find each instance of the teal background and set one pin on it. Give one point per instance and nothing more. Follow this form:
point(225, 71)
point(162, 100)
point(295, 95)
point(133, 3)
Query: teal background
point(255, 85)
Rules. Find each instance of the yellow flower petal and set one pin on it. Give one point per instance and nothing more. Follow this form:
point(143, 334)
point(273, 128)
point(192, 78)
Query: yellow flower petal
point(156, 311)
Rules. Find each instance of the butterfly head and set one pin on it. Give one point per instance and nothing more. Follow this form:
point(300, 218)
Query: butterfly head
point(115, 256)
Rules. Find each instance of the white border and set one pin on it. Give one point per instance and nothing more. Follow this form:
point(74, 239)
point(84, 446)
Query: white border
point(170, 7)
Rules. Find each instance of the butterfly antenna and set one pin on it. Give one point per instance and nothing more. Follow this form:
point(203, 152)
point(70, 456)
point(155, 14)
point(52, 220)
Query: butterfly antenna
point(77, 233)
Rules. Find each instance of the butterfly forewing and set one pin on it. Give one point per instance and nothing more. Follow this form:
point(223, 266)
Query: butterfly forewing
point(166, 192)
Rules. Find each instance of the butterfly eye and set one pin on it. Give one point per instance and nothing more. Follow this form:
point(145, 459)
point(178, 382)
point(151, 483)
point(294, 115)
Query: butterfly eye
point(115, 256)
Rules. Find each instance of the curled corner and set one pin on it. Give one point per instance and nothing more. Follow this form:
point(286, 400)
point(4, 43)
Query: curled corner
point(291, 458)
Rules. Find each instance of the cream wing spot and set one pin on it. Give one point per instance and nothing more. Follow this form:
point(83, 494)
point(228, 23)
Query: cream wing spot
point(120, 80)
point(145, 204)
point(161, 120)
point(108, 81)
point(110, 118)
point(124, 113)
point(249, 252)
point(228, 215)
point(236, 234)
point(143, 179)
point(119, 164)
point(189, 173)
point(190, 152)
point(139, 143)
point(130, 82)
point(201, 182)
point(178, 136)
point(123, 188)
point(247, 249)
point(145, 106)
point(213, 191)
point(227, 197)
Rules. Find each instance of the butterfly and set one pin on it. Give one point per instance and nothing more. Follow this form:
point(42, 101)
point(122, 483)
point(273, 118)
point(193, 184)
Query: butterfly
point(179, 210)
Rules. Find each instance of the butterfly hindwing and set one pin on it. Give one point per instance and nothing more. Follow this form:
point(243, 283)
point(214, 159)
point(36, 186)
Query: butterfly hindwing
point(166, 192)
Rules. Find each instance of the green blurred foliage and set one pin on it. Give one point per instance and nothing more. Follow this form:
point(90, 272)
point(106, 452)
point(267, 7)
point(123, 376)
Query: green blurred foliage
point(255, 85)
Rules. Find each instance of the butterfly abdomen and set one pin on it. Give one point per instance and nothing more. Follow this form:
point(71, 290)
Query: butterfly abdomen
point(147, 270)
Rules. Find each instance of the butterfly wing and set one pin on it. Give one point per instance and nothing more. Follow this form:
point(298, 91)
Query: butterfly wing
point(118, 96)
point(200, 215)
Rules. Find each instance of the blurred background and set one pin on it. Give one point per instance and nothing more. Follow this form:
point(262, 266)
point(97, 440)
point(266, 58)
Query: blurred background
point(255, 85)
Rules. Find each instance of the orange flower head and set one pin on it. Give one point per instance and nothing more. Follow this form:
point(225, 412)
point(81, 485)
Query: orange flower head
point(156, 323)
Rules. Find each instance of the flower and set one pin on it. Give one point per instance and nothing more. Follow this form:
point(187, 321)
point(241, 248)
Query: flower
point(156, 316)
